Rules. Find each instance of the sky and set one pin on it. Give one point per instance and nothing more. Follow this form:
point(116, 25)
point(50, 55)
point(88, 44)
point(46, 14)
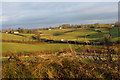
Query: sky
point(31, 15)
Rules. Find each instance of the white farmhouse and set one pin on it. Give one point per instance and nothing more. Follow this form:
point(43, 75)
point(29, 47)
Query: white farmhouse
point(14, 32)
point(6, 32)
point(60, 28)
point(49, 29)
point(113, 25)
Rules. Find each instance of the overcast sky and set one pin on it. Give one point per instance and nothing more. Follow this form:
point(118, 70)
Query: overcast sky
point(46, 14)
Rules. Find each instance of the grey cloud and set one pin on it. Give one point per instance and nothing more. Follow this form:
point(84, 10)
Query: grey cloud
point(47, 14)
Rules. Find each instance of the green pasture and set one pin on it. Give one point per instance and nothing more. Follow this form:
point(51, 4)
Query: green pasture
point(67, 34)
point(114, 32)
point(27, 35)
point(60, 34)
point(102, 29)
point(99, 35)
point(18, 37)
point(51, 32)
point(18, 47)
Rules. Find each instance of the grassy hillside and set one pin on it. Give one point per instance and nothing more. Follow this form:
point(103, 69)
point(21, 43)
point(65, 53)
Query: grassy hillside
point(19, 37)
point(18, 47)
point(58, 60)
point(51, 32)
point(67, 34)
point(115, 32)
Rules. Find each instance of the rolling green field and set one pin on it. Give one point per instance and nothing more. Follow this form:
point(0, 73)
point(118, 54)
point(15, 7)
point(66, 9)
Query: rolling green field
point(66, 34)
point(51, 32)
point(18, 37)
point(18, 47)
point(56, 34)
point(113, 32)
point(58, 60)
point(72, 35)
point(80, 34)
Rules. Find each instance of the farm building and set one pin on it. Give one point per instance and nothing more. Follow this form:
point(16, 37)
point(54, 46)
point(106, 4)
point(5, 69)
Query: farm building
point(113, 25)
point(49, 29)
point(13, 32)
point(6, 32)
point(60, 27)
